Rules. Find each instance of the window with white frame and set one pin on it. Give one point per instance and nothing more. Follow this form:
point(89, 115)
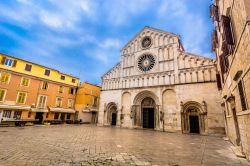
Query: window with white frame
point(58, 102)
point(8, 62)
point(21, 97)
point(42, 99)
point(7, 114)
point(70, 103)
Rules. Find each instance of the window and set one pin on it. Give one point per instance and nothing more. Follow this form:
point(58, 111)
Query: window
point(56, 115)
point(61, 88)
point(62, 77)
point(68, 116)
point(70, 103)
point(8, 62)
point(242, 96)
point(47, 115)
point(58, 102)
point(42, 101)
point(17, 114)
point(29, 114)
point(227, 36)
point(7, 114)
point(5, 77)
point(94, 101)
point(72, 91)
point(47, 72)
point(25, 82)
point(45, 85)
point(73, 80)
point(219, 85)
point(2, 94)
point(28, 67)
point(21, 97)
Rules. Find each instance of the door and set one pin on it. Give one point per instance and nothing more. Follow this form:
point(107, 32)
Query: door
point(62, 117)
point(39, 116)
point(113, 123)
point(93, 118)
point(194, 124)
point(148, 118)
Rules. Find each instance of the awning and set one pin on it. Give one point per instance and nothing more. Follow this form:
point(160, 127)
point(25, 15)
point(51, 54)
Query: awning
point(15, 107)
point(62, 110)
point(39, 110)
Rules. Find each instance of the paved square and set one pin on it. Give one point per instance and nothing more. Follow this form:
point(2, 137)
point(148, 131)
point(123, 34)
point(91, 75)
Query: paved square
point(67, 145)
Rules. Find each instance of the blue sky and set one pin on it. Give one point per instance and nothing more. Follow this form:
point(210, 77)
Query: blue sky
point(84, 37)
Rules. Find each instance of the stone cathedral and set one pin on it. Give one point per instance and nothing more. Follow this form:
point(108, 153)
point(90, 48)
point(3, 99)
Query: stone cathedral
point(157, 85)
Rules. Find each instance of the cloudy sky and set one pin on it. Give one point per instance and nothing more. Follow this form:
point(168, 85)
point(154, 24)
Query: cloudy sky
point(84, 37)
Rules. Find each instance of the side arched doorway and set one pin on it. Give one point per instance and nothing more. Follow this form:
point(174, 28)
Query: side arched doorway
point(194, 118)
point(112, 114)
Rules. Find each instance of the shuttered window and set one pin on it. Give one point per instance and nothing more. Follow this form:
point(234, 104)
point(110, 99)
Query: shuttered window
point(42, 101)
point(21, 97)
point(242, 96)
point(7, 114)
point(224, 64)
point(5, 77)
point(58, 102)
point(2, 94)
point(227, 36)
point(214, 12)
point(61, 88)
point(45, 85)
point(214, 41)
point(70, 103)
point(25, 82)
point(219, 85)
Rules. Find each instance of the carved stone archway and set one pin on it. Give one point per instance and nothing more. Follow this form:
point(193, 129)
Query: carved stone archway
point(136, 109)
point(194, 109)
point(111, 109)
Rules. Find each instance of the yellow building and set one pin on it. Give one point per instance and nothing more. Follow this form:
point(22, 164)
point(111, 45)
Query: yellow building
point(29, 91)
point(87, 102)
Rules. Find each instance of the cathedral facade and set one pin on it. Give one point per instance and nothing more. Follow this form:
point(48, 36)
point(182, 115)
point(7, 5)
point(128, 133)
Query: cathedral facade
point(158, 85)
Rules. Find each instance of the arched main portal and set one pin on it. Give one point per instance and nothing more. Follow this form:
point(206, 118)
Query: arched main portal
point(148, 113)
point(194, 117)
point(145, 110)
point(112, 114)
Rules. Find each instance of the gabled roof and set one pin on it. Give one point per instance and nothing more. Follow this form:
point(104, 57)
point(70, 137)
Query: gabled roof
point(150, 28)
point(111, 69)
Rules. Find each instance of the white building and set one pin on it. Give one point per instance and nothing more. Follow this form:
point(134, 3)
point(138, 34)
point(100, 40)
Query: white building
point(158, 85)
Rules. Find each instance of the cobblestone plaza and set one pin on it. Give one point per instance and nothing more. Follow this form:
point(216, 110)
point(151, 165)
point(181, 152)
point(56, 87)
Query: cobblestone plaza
point(78, 145)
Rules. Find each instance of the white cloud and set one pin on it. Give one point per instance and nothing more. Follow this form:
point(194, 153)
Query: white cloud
point(110, 43)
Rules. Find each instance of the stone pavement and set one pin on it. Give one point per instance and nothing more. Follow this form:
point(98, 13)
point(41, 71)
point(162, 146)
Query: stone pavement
point(66, 145)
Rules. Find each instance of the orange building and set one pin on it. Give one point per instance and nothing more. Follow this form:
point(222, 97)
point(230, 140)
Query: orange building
point(31, 92)
point(87, 102)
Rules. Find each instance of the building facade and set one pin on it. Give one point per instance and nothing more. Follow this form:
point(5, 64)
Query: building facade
point(31, 92)
point(231, 43)
point(87, 103)
point(160, 86)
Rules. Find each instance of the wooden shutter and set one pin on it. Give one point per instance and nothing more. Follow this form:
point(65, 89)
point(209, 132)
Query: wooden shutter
point(214, 41)
point(214, 12)
point(219, 85)
point(3, 60)
point(227, 30)
point(242, 96)
point(14, 63)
